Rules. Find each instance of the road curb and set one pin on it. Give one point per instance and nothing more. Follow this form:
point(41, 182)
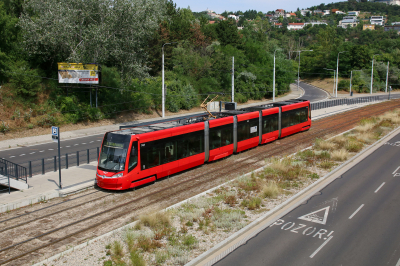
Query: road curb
point(365, 152)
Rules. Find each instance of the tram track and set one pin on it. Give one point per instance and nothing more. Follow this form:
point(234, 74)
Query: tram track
point(320, 128)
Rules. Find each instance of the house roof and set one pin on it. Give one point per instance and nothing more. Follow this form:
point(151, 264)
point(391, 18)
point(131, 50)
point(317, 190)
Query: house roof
point(293, 14)
point(211, 22)
point(280, 10)
point(298, 24)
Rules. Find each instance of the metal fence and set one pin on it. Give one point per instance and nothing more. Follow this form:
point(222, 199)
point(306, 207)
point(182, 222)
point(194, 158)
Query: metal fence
point(11, 170)
point(50, 164)
point(351, 101)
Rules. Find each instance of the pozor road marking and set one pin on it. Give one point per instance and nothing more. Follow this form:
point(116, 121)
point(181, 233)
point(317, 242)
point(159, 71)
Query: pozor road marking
point(302, 229)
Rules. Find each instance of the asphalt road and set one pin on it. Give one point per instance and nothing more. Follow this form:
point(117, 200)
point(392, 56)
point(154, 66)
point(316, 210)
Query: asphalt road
point(353, 221)
point(35, 153)
point(312, 93)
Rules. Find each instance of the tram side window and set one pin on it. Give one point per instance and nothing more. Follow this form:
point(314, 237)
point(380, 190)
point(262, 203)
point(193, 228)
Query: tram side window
point(221, 136)
point(294, 117)
point(133, 158)
point(247, 129)
point(270, 123)
point(190, 144)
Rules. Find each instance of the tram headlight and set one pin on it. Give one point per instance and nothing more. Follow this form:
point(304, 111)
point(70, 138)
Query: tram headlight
point(118, 175)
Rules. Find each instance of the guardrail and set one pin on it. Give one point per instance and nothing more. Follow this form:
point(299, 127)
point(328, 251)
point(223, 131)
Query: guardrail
point(351, 101)
point(12, 170)
point(50, 164)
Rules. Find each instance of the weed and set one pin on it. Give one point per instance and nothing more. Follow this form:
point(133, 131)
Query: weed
point(340, 141)
point(313, 176)
point(228, 219)
point(305, 155)
point(231, 200)
point(365, 127)
point(254, 203)
point(136, 258)
point(321, 144)
point(108, 246)
point(138, 226)
point(130, 240)
point(190, 241)
point(324, 155)
point(147, 244)
point(270, 190)
point(340, 155)
point(160, 256)
point(107, 263)
point(156, 220)
point(184, 229)
point(353, 145)
point(326, 164)
point(189, 223)
point(117, 249)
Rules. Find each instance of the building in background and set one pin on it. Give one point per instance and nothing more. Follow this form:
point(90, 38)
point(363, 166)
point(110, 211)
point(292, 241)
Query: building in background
point(377, 20)
point(348, 23)
point(368, 27)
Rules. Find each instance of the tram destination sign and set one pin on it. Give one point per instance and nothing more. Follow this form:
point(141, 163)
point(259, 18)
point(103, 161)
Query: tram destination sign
point(78, 73)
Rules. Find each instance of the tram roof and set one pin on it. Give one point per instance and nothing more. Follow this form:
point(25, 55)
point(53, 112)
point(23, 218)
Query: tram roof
point(152, 126)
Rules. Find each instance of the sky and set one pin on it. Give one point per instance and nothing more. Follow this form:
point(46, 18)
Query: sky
point(264, 6)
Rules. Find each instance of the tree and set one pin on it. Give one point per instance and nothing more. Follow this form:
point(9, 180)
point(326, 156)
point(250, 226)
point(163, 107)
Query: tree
point(227, 32)
point(102, 31)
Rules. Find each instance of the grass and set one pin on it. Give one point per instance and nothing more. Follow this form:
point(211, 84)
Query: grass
point(340, 155)
point(156, 220)
point(353, 145)
point(270, 190)
point(325, 145)
point(326, 164)
point(136, 259)
point(228, 219)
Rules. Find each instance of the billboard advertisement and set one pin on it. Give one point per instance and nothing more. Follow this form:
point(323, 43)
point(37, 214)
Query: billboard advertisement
point(78, 73)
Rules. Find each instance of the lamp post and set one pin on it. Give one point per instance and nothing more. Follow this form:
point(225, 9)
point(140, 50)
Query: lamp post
point(298, 71)
point(337, 71)
point(273, 88)
point(387, 77)
point(163, 86)
point(372, 73)
point(334, 80)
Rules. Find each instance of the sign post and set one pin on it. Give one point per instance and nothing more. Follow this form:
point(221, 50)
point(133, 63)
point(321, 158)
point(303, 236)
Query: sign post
point(55, 135)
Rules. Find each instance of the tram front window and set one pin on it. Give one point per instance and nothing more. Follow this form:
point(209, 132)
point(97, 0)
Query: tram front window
point(113, 152)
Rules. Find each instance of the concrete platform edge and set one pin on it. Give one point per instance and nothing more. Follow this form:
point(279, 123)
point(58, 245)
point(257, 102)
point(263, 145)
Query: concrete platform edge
point(361, 155)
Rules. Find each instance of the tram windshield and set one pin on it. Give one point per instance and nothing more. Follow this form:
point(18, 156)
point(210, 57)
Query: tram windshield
point(113, 152)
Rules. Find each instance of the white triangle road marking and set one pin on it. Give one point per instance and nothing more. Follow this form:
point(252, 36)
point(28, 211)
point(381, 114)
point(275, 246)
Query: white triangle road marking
point(319, 216)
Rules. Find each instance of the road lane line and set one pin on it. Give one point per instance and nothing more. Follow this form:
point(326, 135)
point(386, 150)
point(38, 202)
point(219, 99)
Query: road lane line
point(354, 213)
point(398, 263)
point(32, 153)
point(67, 146)
point(12, 156)
point(379, 187)
point(22, 154)
point(84, 143)
point(323, 244)
point(394, 173)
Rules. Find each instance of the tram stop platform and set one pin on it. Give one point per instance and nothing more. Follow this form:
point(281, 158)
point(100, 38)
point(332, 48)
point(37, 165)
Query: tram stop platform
point(79, 178)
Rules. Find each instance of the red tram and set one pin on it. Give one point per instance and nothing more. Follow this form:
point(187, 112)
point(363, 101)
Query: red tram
point(143, 153)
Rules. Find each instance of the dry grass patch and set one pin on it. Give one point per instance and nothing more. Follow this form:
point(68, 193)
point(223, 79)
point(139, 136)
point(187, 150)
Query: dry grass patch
point(365, 127)
point(340, 155)
point(270, 190)
point(156, 220)
point(321, 144)
point(366, 137)
point(340, 141)
point(353, 145)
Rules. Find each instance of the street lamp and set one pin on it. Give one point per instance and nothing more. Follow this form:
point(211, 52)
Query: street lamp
point(298, 71)
point(273, 89)
point(163, 87)
point(372, 72)
point(337, 71)
point(334, 75)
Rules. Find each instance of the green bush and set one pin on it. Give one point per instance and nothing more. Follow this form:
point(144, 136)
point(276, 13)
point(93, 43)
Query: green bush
point(344, 85)
point(26, 82)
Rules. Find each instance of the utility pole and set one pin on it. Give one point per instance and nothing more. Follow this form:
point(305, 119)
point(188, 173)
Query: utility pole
point(273, 88)
point(233, 80)
point(351, 77)
point(163, 83)
point(337, 71)
point(387, 77)
point(372, 73)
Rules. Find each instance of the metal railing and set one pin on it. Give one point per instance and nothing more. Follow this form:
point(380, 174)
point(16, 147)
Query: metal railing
point(351, 101)
point(12, 170)
point(50, 164)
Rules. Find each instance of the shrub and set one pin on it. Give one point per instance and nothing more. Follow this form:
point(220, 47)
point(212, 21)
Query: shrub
point(130, 240)
point(160, 256)
point(117, 249)
point(313, 176)
point(305, 155)
point(340, 141)
point(4, 127)
point(254, 203)
point(270, 190)
point(230, 200)
point(324, 155)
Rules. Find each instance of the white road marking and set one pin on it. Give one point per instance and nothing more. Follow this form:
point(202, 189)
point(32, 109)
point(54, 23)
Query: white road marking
point(315, 218)
point(395, 170)
point(91, 141)
point(354, 213)
point(41, 151)
point(67, 146)
point(323, 244)
point(83, 143)
point(51, 149)
point(100, 140)
point(76, 144)
point(379, 187)
point(22, 154)
point(12, 156)
point(32, 153)
point(398, 263)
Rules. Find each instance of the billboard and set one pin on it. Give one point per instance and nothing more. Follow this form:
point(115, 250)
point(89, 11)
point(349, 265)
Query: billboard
point(78, 73)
